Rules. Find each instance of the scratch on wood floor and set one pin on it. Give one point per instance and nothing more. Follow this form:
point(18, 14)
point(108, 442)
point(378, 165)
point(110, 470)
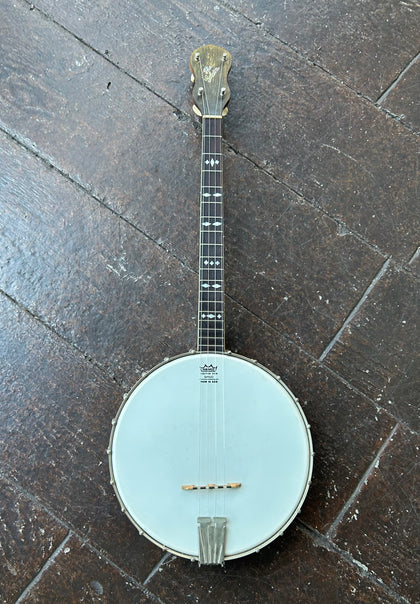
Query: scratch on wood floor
point(349, 157)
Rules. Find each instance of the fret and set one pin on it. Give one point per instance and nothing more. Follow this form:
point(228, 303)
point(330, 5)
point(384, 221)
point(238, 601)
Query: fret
point(210, 267)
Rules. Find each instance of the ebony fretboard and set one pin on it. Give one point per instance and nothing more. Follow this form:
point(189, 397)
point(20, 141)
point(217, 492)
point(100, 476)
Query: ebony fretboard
point(211, 332)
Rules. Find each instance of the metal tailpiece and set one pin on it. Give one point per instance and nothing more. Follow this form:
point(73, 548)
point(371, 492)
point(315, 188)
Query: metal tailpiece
point(211, 536)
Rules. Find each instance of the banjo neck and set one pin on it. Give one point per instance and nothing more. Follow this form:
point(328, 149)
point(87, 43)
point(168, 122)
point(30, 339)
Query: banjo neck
point(211, 318)
point(210, 66)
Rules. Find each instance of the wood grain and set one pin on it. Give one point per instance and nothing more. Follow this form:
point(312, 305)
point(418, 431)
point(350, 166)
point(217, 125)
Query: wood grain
point(289, 117)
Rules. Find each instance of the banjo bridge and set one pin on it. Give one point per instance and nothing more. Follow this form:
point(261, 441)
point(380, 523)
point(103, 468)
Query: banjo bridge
point(211, 487)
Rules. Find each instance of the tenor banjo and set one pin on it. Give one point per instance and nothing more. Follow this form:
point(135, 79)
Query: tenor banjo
point(210, 453)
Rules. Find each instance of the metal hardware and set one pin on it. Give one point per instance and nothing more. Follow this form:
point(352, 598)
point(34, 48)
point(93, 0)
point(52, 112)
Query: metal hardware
point(200, 91)
point(222, 91)
point(211, 537)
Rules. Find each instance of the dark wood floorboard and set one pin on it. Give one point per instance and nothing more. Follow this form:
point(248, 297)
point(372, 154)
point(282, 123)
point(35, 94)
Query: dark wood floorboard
point(99, 181)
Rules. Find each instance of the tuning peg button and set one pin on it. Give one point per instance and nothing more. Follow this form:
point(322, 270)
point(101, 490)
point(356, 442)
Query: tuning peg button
point(192, 78)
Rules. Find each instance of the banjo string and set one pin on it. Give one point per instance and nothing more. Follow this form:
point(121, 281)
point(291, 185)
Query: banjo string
point(221, 387)
point(204, 399)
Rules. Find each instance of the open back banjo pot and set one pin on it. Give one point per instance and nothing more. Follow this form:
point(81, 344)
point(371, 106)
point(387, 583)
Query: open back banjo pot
point(210, 453)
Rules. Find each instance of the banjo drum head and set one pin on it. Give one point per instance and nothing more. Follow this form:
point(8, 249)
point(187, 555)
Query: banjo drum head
point(195, 425)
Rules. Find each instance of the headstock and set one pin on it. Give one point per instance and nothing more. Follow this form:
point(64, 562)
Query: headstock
point(210, 66)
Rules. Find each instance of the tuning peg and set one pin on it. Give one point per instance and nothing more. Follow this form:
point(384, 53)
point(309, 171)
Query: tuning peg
point(200, 91)
point(197, 111)
point(192, 78)
point(225, 111)
point(222, 91)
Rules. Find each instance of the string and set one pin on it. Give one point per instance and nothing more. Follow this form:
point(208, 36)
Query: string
point(222, 272)
point(209, 469)
point(207, 342)
point(220, 394)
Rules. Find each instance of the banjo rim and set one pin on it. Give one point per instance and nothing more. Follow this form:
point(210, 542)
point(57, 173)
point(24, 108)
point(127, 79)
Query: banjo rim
point(310, 452)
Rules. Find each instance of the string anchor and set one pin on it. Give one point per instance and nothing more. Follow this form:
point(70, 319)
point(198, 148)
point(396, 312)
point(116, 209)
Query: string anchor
point(211, 538)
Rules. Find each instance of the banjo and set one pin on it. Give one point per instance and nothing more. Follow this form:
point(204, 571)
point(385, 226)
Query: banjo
point(210, 453)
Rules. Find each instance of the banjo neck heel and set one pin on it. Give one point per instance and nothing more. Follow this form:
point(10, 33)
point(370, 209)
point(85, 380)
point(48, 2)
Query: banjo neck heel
point(212, 538)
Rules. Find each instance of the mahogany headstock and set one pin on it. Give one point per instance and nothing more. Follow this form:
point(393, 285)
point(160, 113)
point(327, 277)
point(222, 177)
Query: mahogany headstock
point(210, 66)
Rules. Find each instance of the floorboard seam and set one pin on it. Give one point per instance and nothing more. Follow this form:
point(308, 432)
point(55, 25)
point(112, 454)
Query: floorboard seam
point(399, 77)
point(123, 385)
point(71, 532)
point(340, 223)
point(87, 357)
point(157, 568)
point(68, 177)
point(328, 369)
point(32, 149)
point(143, 83)
point(313, 63)
point(233, 11)
point(126, 575)
point(332, 531)
point(43, 569)
point(414, 256)
point(356, 309)
point(323, 541)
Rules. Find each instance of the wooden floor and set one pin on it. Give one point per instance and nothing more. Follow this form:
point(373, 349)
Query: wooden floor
point(99, 187)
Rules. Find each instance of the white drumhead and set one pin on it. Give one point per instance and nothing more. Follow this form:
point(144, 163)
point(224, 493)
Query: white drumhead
point(202, 419)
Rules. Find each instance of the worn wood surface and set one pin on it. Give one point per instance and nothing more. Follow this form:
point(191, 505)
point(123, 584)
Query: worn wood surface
point(99, 177)
point(402, 99)
point(362, 42)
